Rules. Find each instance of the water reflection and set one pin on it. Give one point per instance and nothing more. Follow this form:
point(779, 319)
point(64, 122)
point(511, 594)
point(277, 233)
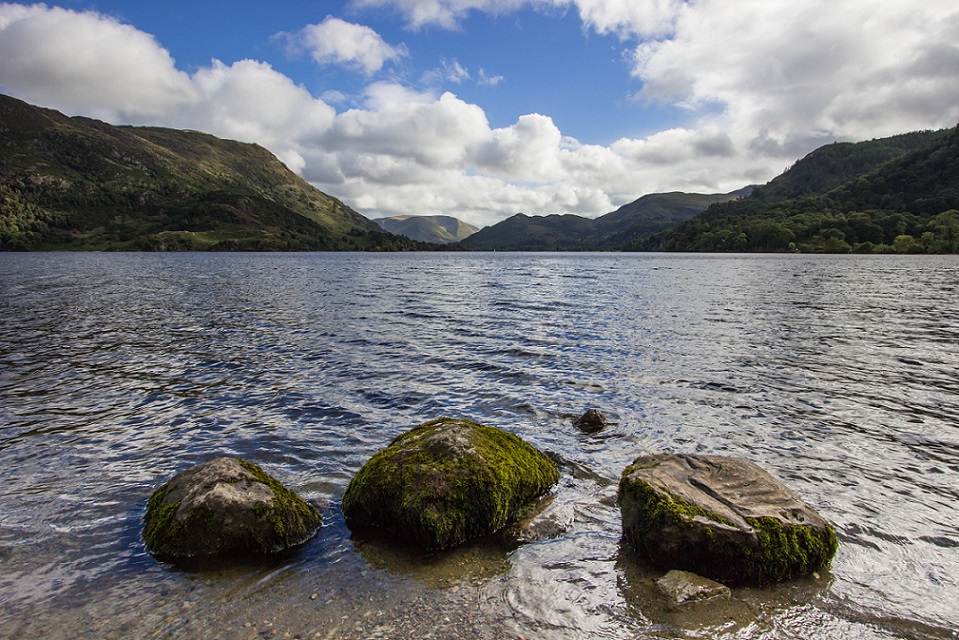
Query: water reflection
point(474, 563)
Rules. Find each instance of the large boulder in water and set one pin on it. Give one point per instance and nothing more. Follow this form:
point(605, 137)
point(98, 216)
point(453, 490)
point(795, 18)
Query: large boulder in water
point(445, 482)
point(724, 518)
point(226, 505)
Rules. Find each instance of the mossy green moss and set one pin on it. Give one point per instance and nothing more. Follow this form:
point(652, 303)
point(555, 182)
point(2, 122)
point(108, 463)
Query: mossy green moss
point(168, 535)
point(159, 526)
point(289, 517)
point(790, 551)
point(663, 527)
point(649, 508)
point(446, 481)
point(206, 527)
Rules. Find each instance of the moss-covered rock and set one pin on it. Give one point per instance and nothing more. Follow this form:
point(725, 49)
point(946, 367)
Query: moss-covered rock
point(226, 505)
point(446, 481)
point(724, 518)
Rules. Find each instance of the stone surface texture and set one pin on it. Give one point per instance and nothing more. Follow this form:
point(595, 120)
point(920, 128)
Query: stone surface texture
point(226, 505)
point(546, 519)
point(725, 518)
point(683, 588)
point(445, 482)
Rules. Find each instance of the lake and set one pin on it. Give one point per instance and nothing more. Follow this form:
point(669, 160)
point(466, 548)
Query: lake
point(838, 374)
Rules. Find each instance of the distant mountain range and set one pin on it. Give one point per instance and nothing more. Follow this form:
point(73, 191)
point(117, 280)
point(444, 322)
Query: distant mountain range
point(434, 229)
point(80, 184)
point(613, 231)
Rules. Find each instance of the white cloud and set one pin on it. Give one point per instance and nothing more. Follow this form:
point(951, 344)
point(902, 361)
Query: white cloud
point(251, 101)
point(431, 132)
point(448, 71)
point(444, 13)
point(627, 17)
point(336, 41)
point(66, 60)
point(763, 84)
point(786, 76)
point(487, 80)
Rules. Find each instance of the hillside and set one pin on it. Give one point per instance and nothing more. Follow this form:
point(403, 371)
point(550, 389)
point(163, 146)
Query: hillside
point(643, 217)
point(81, 184)
point(832, 165)
point(906, 204)
point(434, 229)
point(533, 233)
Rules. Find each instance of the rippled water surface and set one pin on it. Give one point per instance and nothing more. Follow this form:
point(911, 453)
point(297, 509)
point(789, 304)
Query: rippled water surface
point(840, 375)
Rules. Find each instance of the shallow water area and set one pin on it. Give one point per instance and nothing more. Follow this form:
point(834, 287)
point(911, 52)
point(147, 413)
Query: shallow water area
point(835, 373)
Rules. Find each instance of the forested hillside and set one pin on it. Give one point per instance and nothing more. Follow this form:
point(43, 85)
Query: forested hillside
point(906, 204)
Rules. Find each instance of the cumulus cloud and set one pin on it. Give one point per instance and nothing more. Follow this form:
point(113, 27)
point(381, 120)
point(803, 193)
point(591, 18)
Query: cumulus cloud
point(627, 18)
point(66, 60)
point(336, 41)
point(786, 76)
point(253, 102)
point(762, 85)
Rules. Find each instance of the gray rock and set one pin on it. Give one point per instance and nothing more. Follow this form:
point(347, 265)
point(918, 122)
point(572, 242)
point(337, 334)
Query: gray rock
point(725, 518)
point(445, 482)
point(546, 519)
point(683, 588)
point(592, 421)
point(226, 505)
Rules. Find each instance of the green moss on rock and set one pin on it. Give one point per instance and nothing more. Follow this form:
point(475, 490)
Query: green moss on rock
point(789, 551)
point(446, 481)
point(724, 518)
point(226, 505)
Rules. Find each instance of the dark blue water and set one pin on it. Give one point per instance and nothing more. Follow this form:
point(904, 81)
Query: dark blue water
point(839, 374)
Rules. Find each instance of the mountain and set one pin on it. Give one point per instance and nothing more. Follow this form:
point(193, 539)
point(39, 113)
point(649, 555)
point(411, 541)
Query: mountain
point(832, 165)
point(898, 194)
point(435, 229)
point(533, 233)
point(647, 215)
point(80, 184)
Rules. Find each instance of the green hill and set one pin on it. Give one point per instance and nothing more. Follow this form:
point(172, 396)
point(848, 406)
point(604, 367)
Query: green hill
point(533, 233)
point(898, 194)
point(435, 229)
point(81, 184)
point(643, 217)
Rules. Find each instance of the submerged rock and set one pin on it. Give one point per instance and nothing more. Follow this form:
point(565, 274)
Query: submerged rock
point(446, 481)
point(725, 518)
point(546, 519)
point(592, 421)
point(683, 588)
point(226, 505)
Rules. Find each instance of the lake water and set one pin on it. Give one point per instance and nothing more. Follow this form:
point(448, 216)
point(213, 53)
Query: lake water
point(839, 374)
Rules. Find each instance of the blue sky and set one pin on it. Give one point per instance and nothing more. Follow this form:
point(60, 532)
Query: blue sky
point(534, 61)
point(483, 108)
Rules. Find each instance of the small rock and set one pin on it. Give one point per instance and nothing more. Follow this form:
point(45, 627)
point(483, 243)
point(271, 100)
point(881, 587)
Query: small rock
point(592, 421)
point(547, 519)
point(685, 588)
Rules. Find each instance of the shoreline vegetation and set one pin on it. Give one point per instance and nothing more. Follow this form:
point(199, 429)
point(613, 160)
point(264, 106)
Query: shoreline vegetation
point(78, 184)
